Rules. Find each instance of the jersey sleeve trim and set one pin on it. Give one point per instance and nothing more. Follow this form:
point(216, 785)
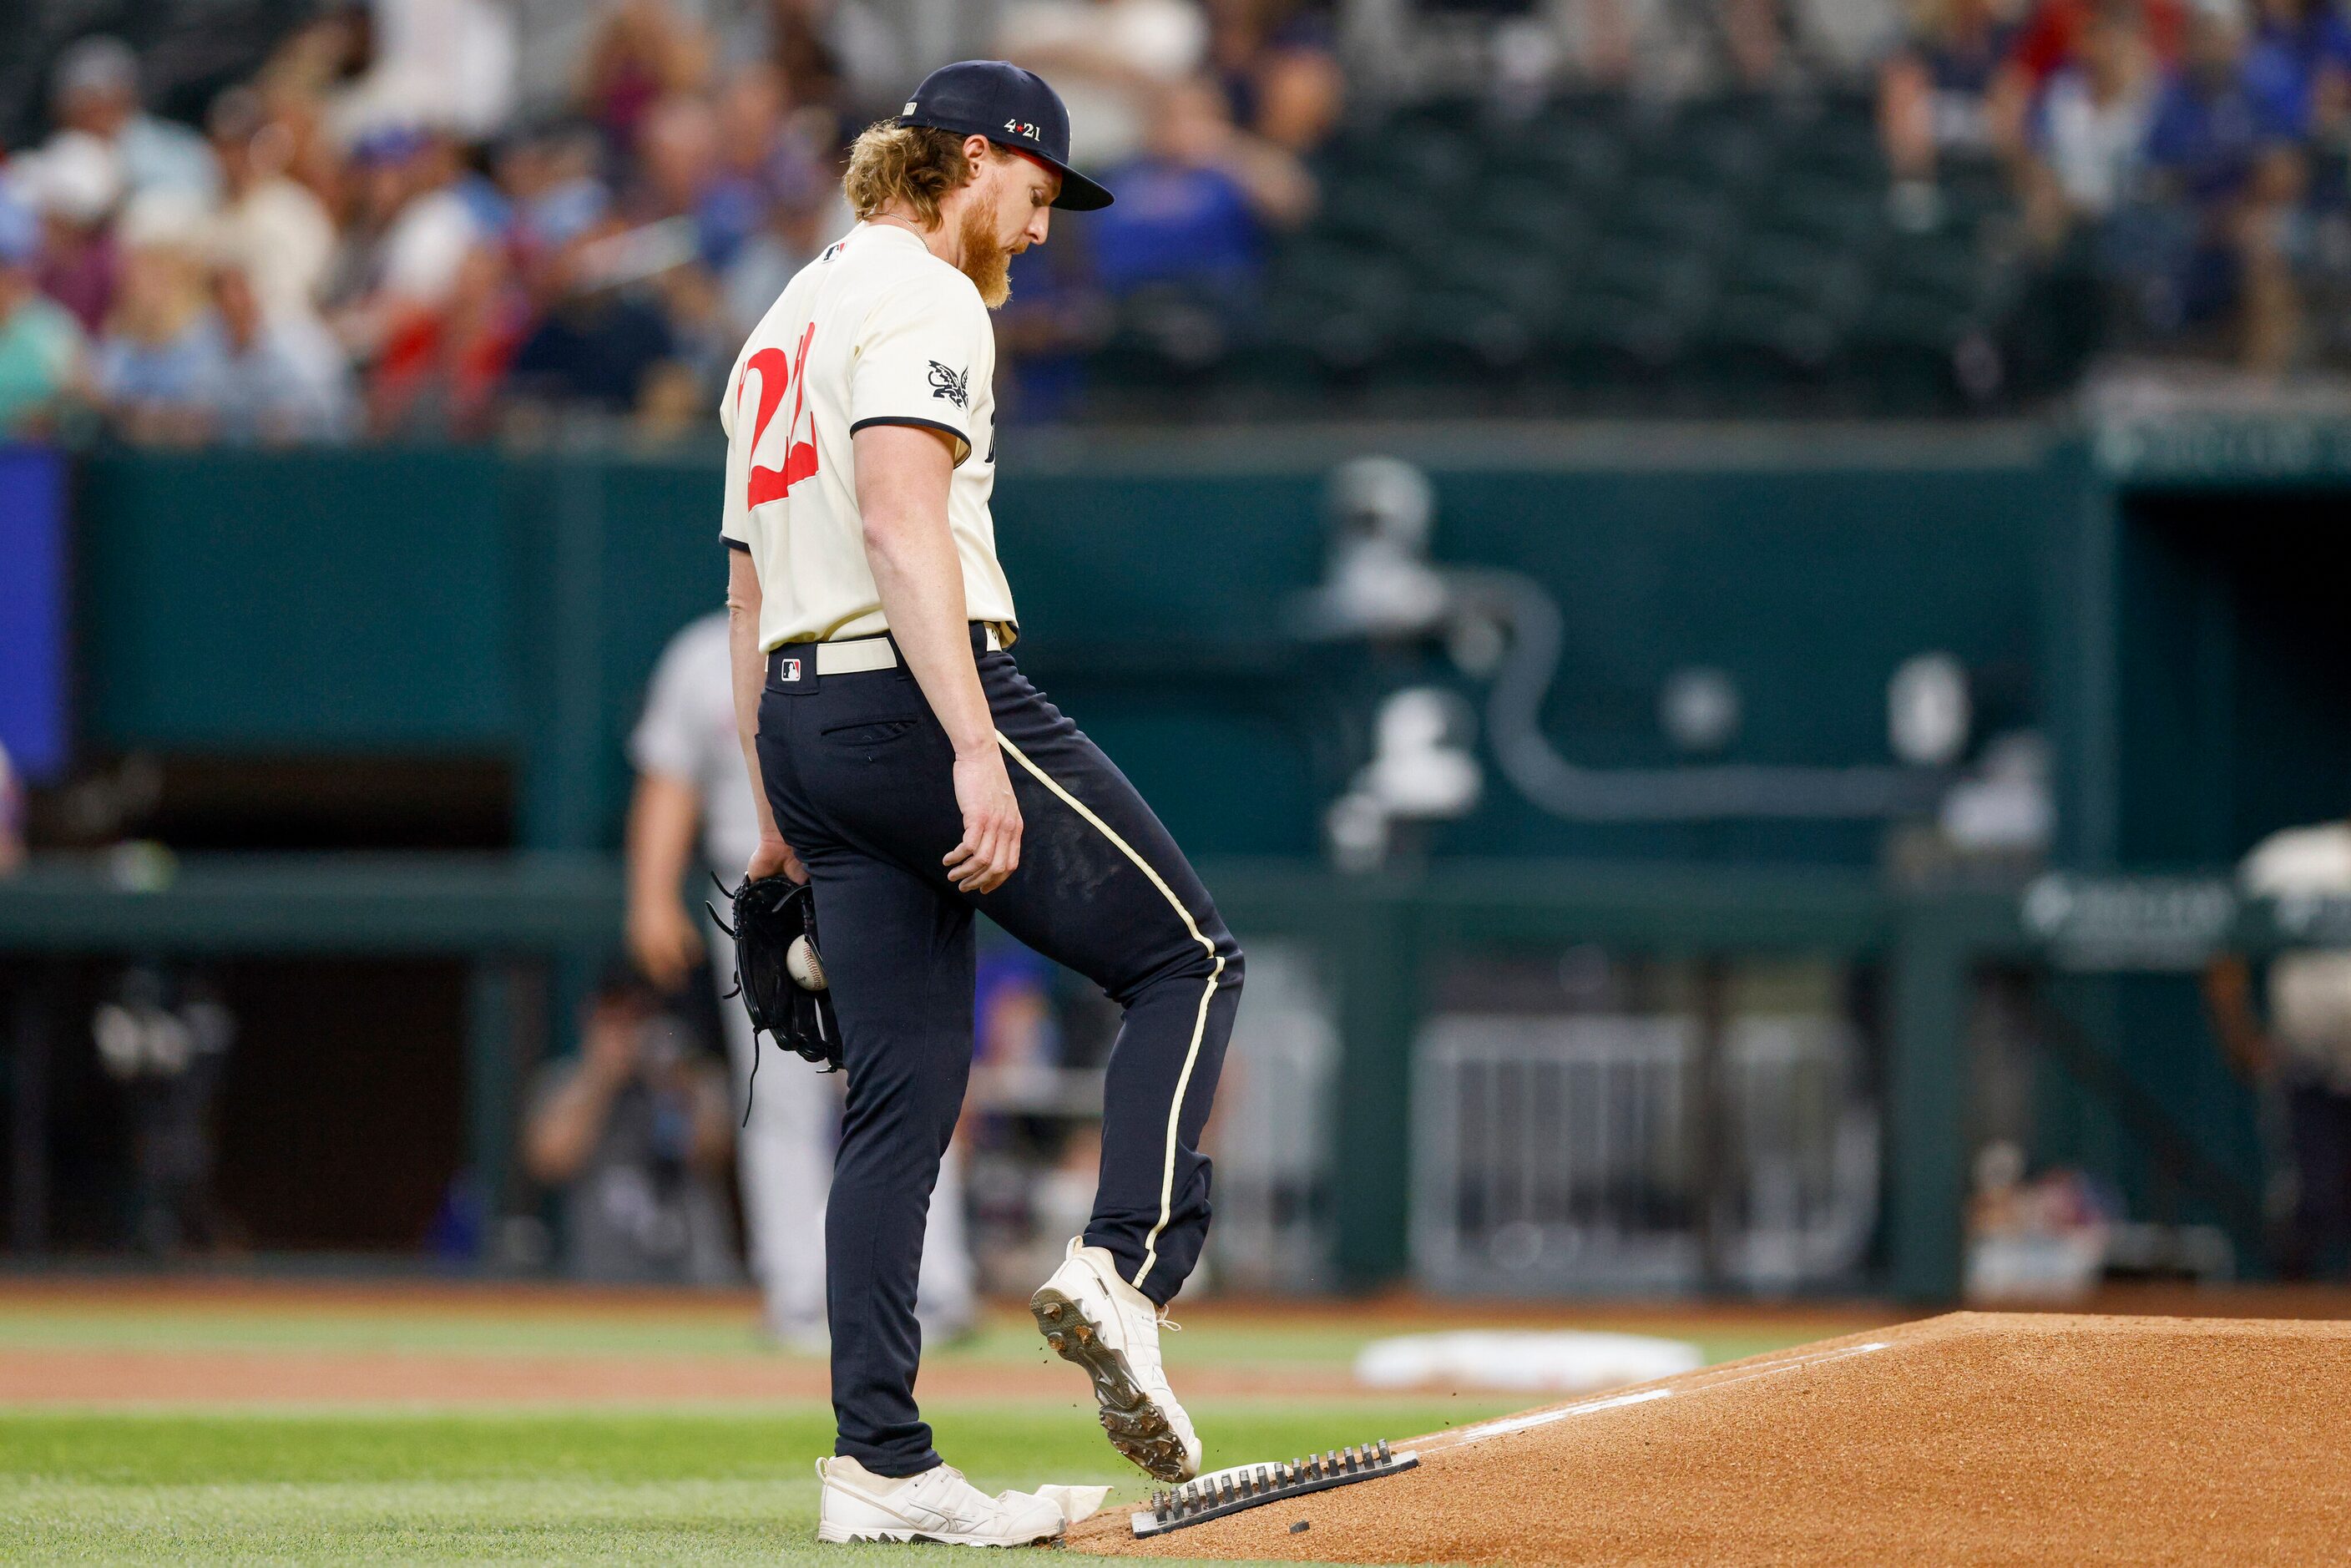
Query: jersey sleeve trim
point(733, 543)
point(962, 441)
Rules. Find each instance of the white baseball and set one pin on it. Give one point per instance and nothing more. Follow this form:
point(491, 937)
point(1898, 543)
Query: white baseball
point(806, 965)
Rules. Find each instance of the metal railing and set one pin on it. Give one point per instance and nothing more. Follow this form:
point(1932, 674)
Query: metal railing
point(1569, 1154)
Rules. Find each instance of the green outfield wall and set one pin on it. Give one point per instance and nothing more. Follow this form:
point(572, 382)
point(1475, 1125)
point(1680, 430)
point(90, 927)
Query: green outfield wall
point(474, 603)
point(2159, 600)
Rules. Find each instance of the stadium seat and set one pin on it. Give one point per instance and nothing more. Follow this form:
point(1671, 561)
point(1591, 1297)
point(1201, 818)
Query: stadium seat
point(1741, 242)
point(1632, 312)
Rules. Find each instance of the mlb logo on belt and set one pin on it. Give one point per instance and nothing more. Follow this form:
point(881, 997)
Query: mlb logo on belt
point(791, 669)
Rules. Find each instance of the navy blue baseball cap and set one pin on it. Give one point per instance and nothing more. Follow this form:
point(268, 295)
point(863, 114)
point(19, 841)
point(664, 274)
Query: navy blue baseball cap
point(1012, 108)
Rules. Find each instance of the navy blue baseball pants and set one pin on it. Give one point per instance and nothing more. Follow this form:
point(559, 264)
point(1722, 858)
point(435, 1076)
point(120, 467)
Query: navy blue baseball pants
point(860, 775)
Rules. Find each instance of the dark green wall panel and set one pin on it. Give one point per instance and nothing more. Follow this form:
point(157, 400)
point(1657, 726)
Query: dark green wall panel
point(435, 600)
point(341, 601)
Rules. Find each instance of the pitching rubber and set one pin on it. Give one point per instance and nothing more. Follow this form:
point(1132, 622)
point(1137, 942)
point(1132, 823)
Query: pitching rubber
point(1136, 1426)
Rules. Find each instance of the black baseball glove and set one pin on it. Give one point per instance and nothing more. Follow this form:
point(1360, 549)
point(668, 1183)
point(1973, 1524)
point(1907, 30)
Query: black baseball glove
point(770, 915)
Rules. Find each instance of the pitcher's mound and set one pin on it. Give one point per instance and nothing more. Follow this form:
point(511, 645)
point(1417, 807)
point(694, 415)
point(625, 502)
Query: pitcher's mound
point(1977, 1438)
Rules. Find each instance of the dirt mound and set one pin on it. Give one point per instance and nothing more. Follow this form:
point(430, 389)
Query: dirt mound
point(1974, 1438)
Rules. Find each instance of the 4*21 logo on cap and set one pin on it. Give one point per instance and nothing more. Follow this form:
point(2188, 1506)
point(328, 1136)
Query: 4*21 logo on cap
point(952, 385)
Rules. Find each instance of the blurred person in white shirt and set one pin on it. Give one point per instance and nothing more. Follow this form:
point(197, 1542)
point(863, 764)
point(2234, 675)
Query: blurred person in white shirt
point(445, 63)
point(270, 227)
point(1110, 59)
point(2089, 135)
point(2303, 1047)
point(413, 233)
point(95, 91)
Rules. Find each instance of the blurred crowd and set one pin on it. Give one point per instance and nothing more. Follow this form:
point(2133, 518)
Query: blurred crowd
point(380, 236)
point(372, 238)
point(2189, 154)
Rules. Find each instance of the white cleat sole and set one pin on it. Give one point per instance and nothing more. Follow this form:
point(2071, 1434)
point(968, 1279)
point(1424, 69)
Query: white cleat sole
point(835, 1535)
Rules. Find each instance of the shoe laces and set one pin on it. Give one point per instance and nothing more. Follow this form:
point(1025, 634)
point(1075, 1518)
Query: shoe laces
point(1165, 1322)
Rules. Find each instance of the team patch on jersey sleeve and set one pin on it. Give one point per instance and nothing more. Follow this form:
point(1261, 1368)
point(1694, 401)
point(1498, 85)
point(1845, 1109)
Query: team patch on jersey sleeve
point(952, 385)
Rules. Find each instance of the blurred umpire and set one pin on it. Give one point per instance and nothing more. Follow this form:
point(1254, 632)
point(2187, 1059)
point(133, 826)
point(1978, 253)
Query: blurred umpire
point(690, 776)
point(907, 767)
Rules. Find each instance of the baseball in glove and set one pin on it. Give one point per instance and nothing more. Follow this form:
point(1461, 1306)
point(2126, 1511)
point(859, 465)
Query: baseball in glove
point(778, 973)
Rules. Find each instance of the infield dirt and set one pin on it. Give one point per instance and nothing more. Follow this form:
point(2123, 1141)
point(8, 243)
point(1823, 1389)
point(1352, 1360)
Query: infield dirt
point(1972, 1439)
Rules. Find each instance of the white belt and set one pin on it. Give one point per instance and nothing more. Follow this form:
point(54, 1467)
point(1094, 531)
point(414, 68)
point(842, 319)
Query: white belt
point(856, 656)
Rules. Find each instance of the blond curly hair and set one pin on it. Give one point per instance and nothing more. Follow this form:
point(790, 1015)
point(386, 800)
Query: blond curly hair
point(916, 164)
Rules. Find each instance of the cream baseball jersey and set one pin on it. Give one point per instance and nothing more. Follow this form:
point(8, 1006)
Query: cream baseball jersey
point(876, 330)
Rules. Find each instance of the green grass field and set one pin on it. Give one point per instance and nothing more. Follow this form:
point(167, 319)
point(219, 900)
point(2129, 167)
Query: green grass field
point(687, 1486)
point(707, 1483)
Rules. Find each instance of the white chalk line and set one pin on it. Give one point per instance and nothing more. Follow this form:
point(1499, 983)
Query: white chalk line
point(1509, 1424)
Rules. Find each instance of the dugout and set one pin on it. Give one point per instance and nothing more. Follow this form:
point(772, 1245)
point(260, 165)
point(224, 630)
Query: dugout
point(2199, 665)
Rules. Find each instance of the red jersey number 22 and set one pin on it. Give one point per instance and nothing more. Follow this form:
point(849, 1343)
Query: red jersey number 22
point(800, 456)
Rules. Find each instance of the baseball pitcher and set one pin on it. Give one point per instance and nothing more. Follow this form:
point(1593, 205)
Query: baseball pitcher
point(905, 767)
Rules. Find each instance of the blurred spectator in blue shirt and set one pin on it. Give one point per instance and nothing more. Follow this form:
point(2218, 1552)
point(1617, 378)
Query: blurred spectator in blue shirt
point(2226, 113)
point(2300, 55)
point(285, 379)
point(1195, 210)
point(778, 155)
point(773, 158)
point(162, 360)
point(2226, 140)
point(41, 345)
point(1057, 316)
point(1279, 66)
point(600, 341)
point(549, 178)
point(95, 90)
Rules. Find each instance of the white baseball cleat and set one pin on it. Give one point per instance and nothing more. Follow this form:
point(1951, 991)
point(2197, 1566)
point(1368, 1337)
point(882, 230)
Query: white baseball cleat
point(939, 1505)
point(1097, 1319)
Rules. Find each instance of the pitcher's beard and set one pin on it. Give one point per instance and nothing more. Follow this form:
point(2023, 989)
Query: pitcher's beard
point(988, 264)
